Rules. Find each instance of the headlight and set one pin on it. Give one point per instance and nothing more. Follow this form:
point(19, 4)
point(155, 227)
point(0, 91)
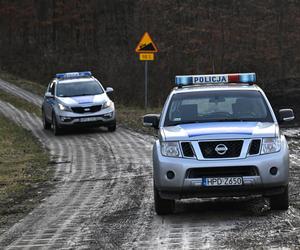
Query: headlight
point(64, 108)
point(271, 145)
point(170, 149)
point(107, 104)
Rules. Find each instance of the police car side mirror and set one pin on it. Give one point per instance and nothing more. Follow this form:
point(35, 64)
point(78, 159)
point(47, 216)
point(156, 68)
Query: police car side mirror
point(49, 95)
point(151, 120)
point(286, 115)
point(109, 89)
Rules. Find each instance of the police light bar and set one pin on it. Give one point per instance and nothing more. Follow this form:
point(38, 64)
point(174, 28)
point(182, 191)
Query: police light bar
point(73, 75)
point(215, 79)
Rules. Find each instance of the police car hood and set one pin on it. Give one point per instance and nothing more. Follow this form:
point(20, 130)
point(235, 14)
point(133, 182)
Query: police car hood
point(86, 100)
point(219, 130)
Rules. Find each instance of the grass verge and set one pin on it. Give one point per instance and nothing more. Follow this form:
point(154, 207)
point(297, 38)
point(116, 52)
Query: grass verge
point(24, 172)
point(132, 118)
point(20, 103)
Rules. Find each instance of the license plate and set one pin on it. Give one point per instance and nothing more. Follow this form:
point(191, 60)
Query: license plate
point(222, 181)
point(89, 119)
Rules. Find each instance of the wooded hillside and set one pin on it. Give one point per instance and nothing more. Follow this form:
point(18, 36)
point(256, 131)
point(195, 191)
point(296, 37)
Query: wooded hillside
point(42, 37)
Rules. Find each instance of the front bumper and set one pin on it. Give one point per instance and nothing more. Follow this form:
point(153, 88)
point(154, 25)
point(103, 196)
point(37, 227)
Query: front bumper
point(182, 186)
point(69, 119)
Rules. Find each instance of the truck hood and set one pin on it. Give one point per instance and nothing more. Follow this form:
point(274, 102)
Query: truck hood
point(83, 100)
point(217, 130)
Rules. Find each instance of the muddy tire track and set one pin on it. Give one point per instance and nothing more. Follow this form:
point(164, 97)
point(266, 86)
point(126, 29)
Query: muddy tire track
point(90, 180)
point(88, 173)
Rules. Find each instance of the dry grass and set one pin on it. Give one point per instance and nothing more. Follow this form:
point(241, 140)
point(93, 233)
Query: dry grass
point(24, 171)
point(132, 118)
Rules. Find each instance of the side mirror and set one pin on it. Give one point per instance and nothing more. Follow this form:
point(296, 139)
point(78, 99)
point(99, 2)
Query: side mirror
point(286, 115)
point(151, 120)
point(49, 95)
point(109, 89)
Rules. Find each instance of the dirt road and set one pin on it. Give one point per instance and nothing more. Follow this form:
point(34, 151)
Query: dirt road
point(103, 199)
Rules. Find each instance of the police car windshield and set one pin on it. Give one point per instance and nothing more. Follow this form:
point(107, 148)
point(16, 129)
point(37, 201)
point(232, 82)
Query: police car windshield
point(217, 106)
point(70, 89)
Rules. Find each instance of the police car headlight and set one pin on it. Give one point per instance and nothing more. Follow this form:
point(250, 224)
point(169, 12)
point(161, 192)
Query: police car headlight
point(108, 104)
point(63, 107)
point(271, 145)
point(170, 149)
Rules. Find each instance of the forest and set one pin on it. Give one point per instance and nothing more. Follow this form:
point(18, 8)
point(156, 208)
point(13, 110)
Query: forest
point(42, 37)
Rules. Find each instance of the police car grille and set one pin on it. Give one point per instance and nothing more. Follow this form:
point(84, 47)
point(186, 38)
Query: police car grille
point(208, 149)
point(187, 149)
point(254, 147)
point(222, 172)
point(90, 109)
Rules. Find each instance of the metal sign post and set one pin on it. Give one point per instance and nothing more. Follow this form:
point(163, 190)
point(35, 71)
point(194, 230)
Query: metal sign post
point(146, 84)
point(146, 49)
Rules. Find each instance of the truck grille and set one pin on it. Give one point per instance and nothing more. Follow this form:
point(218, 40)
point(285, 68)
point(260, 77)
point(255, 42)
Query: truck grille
point(187, 149)
point(209, 149)
point(222, 172)
point(254, 147)
point(89, 109)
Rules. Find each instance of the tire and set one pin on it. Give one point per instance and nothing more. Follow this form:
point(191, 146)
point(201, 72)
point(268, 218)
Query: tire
point(112, 128)
point(163, 206)
point(55, 127)
point(280, 201)
point(46, 124)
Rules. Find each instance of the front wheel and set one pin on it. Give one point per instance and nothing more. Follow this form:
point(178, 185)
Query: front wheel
point(280, 201)
point(163, 206)
point(112, 128)
point(55, 127)
point(46, 124)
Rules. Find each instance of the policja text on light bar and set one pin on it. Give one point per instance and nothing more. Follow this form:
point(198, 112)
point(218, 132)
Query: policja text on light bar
point(216, 78)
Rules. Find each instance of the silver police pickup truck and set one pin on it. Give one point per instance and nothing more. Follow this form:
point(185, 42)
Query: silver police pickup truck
point(219, 137)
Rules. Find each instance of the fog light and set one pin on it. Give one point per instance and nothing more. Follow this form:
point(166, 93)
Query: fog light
point(273, 170)
point(65, 119)
point(170, 175)
point(108, 115)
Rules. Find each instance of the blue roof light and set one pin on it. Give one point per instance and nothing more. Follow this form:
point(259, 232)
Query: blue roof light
point(183, 80)
point(73, 75)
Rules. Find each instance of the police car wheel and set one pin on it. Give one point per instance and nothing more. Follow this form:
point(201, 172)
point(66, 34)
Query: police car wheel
point(46, 124)
point(281, 201)
point(163, 206)
point(112, 128)
point(56, 129)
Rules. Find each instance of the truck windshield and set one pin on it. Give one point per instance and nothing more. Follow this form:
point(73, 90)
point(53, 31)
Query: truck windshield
point(217, 106)
point(78, 89)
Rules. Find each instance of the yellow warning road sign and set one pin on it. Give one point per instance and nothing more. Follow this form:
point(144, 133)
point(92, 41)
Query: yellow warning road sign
point(146, 56)
point(146, 45)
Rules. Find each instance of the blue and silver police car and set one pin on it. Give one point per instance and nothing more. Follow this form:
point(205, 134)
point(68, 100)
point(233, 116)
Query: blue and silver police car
point(219, 137)
point(77, 99)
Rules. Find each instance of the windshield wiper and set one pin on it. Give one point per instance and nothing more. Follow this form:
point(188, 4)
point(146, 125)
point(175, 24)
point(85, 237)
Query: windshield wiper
point(181, 123)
